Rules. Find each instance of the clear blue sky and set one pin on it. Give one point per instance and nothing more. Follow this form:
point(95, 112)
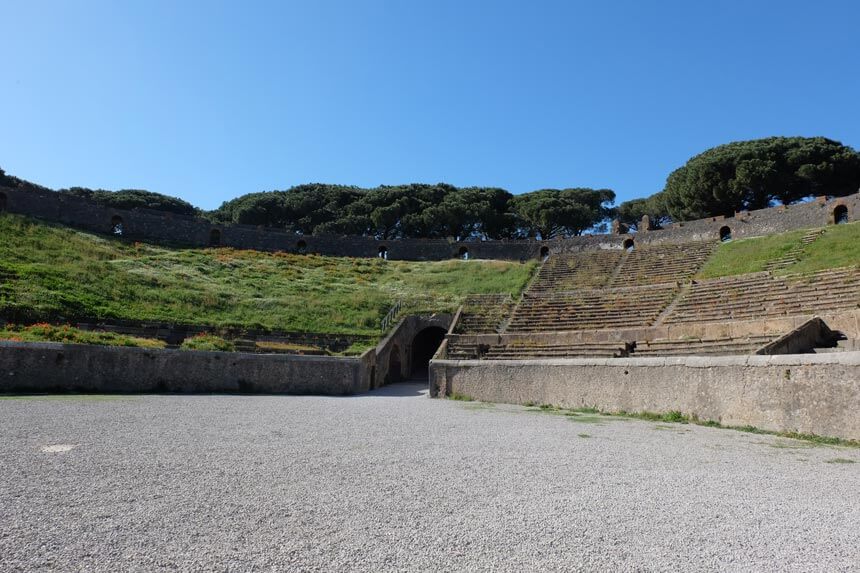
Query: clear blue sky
point(210, 100)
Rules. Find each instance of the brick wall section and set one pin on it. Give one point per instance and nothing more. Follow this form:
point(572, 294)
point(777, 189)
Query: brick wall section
point(160, 227)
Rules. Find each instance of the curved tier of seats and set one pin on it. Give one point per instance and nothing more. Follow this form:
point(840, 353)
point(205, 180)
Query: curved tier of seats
point(591, 309)
point(571, 271)
point(762, 295)
point(655, 264)
point(702, 346)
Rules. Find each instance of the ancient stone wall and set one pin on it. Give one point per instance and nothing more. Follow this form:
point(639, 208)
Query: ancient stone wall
point(157, 226)
point(53, 367)
point(806, 393)
point(394, 352)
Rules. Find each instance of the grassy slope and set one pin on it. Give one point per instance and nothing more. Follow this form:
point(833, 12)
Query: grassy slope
point(59, 272)
point(839, 246)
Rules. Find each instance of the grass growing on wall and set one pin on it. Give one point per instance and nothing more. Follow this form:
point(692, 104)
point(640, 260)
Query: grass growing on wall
point(839, 246)
point(52, 272)
point(70, 335)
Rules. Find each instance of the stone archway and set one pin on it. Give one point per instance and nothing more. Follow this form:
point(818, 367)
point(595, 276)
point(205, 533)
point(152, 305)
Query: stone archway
point(116, 227)
point(395, 366)
point(840, 214)
point(725, 233)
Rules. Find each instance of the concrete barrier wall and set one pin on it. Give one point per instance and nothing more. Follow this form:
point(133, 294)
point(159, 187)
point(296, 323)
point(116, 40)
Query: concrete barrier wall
point(807, 393)
point(52, 367)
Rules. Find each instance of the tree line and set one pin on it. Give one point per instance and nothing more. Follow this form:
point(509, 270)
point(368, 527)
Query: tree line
point(720, 181)
point(747, 175)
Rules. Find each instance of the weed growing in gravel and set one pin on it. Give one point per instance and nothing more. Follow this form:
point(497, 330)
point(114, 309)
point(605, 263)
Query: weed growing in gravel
point(479, 406)
point(584, 435)
point(460, 397)
point(793, 445)
point(674, 416)
point(587, 419)
point(840, 461)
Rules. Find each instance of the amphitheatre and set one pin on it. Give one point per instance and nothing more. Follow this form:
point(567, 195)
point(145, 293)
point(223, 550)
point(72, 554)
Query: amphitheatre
point(551, 361)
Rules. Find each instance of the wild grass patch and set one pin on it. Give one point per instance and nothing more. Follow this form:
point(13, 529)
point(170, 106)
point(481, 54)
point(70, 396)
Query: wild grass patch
point(42, 332)
point(51, 271)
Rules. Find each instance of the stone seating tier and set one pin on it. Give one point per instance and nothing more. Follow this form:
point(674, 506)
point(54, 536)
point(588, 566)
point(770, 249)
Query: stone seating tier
point(524, 350)
point(702, 347)
point(591, 310)
point(657, 264)
point(763, 295)
point(484, 313)
point(571, 271)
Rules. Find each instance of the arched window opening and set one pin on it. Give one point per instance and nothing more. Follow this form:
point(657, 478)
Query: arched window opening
point(2, 202)
point(383, 252)
point(725, 233)
point(840, 215)
point(215, 238)
point(463, 253)
point(116, 225)
point(302, 247)
point(544, 253)
point(628, 244)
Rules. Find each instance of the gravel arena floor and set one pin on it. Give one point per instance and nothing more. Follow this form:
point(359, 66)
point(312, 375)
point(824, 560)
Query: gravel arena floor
point(394, 481)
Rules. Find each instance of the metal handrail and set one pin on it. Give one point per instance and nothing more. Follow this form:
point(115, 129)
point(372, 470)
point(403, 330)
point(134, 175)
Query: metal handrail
point(390, 316)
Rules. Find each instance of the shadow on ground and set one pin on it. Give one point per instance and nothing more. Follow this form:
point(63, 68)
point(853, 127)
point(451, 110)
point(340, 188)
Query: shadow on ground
point(400, 389)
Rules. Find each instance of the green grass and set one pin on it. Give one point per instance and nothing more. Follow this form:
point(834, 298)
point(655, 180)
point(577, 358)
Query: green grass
point(206, 341)
point(54, 273)
point(839, 246)
point(70, 335)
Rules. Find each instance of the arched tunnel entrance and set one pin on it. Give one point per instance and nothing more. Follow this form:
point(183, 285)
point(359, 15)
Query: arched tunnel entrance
point(424, 346)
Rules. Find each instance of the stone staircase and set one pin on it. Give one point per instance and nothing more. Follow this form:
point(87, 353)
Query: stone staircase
point(792, 256)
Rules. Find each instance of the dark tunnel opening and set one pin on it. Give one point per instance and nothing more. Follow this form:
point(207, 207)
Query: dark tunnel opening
point(424, 346)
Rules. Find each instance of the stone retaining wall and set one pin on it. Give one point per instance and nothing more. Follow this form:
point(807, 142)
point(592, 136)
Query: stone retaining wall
point(53, 367)
point(806, 393)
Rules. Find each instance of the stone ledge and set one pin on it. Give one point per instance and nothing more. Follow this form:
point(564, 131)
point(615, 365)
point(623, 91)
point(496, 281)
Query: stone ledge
point(851, 358)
